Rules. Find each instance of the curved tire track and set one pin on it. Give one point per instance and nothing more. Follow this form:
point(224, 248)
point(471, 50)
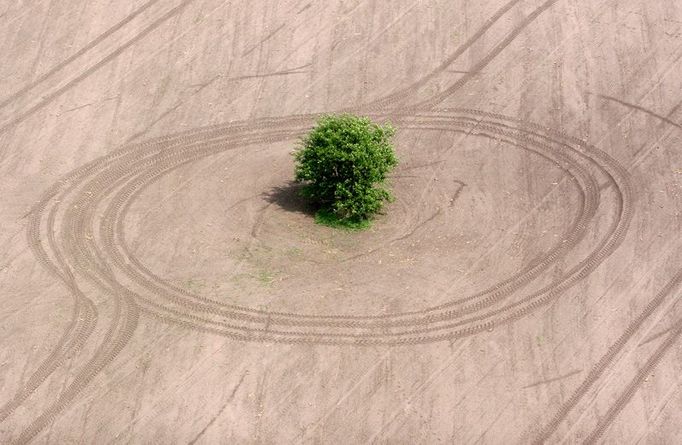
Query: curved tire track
point(134, 173)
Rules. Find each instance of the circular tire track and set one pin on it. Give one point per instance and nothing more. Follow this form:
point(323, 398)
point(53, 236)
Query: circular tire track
point(98, 249)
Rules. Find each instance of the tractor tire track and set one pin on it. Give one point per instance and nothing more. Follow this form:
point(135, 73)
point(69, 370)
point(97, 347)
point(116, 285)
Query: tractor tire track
point(412, 90)
point(131, 259)
point(122, 261)
point(399, 96)
point(84, 313)
point(123, 322)
point(605, 361)
point(437, 99)
point(634, 385)
point(99, 260)
point(92, 44)
point(49, 98)
point(190, 302)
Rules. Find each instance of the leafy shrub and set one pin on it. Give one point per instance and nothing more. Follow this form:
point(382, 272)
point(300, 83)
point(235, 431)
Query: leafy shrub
point(343, 163)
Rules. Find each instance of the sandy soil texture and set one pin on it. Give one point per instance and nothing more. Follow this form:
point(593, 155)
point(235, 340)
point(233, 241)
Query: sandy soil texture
point(162, 281)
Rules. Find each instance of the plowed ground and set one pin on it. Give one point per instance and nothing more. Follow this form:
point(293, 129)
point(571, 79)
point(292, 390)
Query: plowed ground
point(163, 282)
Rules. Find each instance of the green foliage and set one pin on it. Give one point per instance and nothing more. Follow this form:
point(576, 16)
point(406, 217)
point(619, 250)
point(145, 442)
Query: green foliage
point(326, 218)
point(343, 163)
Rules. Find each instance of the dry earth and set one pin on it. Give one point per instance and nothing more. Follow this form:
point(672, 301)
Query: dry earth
point(162, 283)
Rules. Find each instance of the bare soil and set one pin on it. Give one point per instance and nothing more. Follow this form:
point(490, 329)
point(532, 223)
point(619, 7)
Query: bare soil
point(163, 282)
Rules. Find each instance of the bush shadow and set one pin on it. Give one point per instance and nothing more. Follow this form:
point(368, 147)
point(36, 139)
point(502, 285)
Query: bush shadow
point(288, 198)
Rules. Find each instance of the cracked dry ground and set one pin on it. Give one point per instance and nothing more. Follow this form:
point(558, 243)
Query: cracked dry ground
point(161, 282)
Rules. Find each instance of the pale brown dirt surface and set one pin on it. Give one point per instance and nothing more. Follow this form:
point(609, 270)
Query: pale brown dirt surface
point(161, 282)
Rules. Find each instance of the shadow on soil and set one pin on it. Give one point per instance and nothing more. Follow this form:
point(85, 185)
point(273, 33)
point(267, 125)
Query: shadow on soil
point(288, 198)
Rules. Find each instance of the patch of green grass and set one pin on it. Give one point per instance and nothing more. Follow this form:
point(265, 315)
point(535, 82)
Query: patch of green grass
point(266, 278)
point(330, 219)
point(293, 252)
point(194, 284)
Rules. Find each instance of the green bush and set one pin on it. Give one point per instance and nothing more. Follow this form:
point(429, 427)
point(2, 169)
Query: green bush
point(343, 163)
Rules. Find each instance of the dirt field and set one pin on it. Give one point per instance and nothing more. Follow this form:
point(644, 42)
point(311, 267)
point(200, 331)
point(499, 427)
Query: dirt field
point(162, 282)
